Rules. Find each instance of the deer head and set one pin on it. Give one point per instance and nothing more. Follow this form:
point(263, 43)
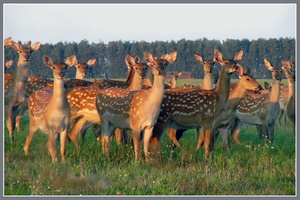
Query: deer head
point(82, 68)
point(24, 51)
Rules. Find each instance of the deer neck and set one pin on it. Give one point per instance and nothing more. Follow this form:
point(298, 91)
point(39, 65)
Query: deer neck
point(223, 88)
point(149, 79)
point(207, 81)
point(20, 81)
point(157, 91)
point(275, 92)
point(235, 97)
point(174, 83)
point(136, 83)
point(79, 76)
point(58, 92)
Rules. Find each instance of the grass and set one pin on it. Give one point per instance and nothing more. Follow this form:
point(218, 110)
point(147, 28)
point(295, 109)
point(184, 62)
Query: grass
point(253, 168)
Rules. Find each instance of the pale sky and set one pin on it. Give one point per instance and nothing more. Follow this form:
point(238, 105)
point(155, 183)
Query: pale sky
point(52, 23)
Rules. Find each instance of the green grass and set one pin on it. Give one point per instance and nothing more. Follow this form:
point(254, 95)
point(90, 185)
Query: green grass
point(253, 168)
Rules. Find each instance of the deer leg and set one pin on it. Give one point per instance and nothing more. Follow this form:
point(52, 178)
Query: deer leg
point(119, 136)
point(281, 112)
point(201, 139)
point(108, 130)
point(63, 138)
point(97, 132)
point(271, 127)
point(32, 130)
point(172, 134)
point(158, 130)
point(147, 138)
point(21, 110)
point(208, 142)
point(76, 128)
point(10, 123)
point(51, 146)
point(225, 136)
point(236, 129)
point(260, 131)
point(136, 143)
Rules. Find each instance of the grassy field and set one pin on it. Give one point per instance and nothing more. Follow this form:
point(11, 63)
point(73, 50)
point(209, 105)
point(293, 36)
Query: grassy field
point(252, 168)
point(255, 167)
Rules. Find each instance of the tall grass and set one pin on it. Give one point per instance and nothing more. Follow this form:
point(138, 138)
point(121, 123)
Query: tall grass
point(255, 167)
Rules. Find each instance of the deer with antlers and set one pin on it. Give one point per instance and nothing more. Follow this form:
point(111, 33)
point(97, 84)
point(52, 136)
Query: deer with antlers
point(261, 110)
point(15, 90)
point(196, 108)
point(134, 110)
point(50, 110)
point(82, 100)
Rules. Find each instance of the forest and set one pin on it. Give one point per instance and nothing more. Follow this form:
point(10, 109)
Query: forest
point(111, 57)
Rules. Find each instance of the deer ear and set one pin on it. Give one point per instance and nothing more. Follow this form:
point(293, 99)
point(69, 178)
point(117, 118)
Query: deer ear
point(148, 57)
point(70, 61)
point(91, 62)
point(137, 59)
point(238, 56)
point(129, 60)
point(35, 46)
point(198, 58)
point(8, 42)
point(179, 74)
point(286, 65)
point(268, 65)
point(15, 45)
point(48, 61)
point(218, 56)
point(172, 57)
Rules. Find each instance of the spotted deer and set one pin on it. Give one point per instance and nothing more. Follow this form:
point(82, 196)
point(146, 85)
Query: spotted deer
point(82, 100)
point(208, 83)
point(36, 83)
point(15, 90)
point(50, 111)
point(246, 83)
point(196, 108)
point(134, 110)
point(289, 71)
point(260, 109)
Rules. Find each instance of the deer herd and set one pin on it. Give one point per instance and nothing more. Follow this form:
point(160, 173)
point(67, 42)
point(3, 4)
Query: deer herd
point(145, 104)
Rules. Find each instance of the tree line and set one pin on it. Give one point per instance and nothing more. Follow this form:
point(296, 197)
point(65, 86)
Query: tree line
point(111, 57)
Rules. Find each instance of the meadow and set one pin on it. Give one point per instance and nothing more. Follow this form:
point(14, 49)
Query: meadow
point(255, 167)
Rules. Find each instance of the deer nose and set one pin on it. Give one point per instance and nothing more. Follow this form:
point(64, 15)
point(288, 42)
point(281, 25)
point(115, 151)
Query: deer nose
point(61, 74)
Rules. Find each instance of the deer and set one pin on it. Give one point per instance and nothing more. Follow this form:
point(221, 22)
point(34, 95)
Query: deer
point(50, 111)
point(207, 84)
point(36, 83)
point(15, 90)
point(134, 110)
point(84, 111)
point(82, 68)
point(289, 72)
point(261, 110)
point(175, 76)
point(196, 108)
point(246, 83)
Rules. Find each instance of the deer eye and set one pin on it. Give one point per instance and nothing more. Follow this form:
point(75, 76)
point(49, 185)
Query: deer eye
point(248, 79)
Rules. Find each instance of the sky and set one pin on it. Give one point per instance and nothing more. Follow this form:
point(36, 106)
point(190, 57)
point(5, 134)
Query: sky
point(53, 23)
